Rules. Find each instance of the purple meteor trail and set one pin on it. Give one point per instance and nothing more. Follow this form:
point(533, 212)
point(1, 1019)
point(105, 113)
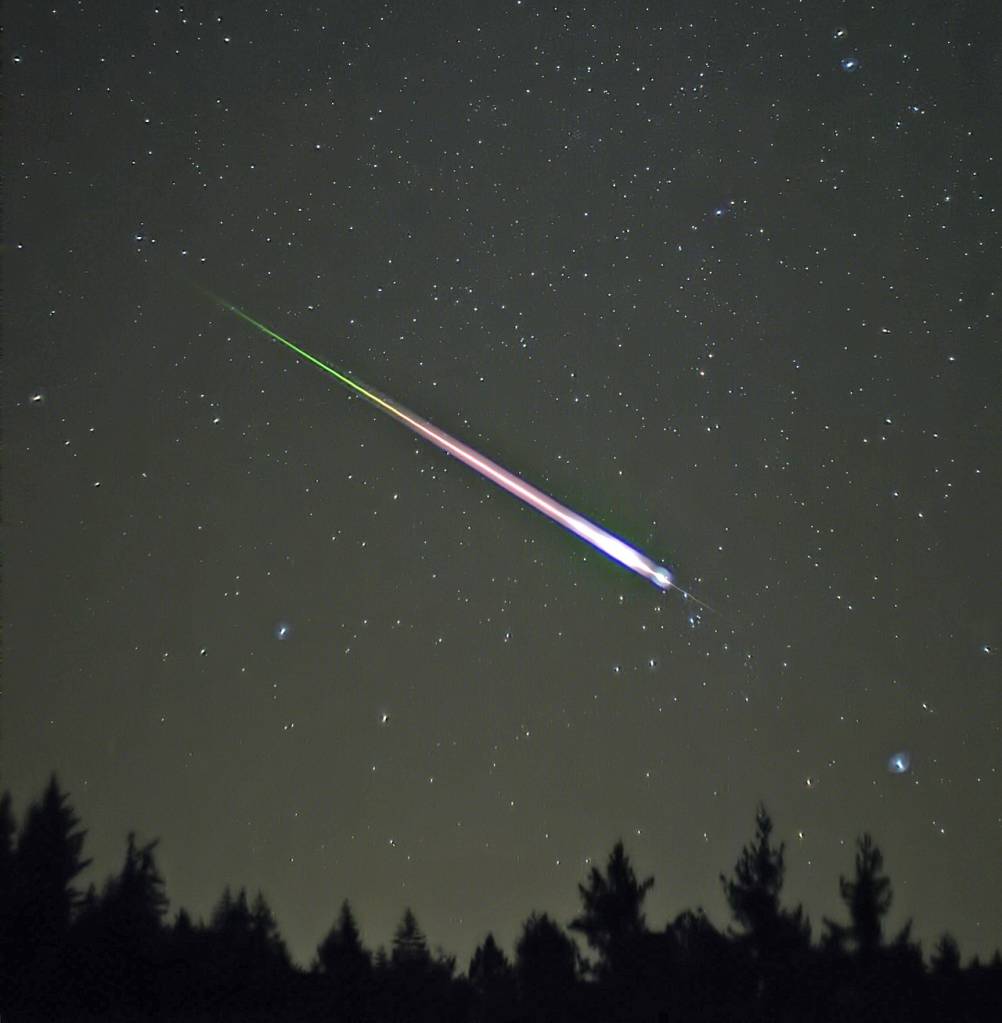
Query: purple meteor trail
point(598, 537)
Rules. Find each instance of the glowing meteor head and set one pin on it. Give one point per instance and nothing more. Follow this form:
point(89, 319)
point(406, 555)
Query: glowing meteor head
point(661, 578)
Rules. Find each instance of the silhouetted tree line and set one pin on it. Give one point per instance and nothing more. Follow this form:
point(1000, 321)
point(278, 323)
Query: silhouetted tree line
point(113, 955)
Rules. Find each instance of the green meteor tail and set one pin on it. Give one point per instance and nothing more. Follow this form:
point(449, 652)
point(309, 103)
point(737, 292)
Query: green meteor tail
point(346, 380)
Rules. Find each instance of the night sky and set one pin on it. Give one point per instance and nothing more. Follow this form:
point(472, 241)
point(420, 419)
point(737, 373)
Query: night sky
point(723, 277)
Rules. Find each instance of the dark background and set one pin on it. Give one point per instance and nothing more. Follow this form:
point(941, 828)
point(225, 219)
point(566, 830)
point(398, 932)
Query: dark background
point(675, 264)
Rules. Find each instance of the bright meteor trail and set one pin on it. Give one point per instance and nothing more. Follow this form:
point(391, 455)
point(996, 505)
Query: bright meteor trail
point(598, 537)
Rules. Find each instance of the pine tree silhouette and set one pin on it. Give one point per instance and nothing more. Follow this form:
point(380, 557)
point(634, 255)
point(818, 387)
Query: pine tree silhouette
point(138, 895)
point(346, 967)
point(417, 987)
point(753, 892)
point(546, 966)
point(868, 898)
point(119, 938)
point(409, 944)
point(875, 980)
point(342, 944)
point(945, 958)
point(612, 920)
point(248, 958)
point(706, 970)
point(488, 963)
point(48, 859)
point(774, 939)
point(493, 982)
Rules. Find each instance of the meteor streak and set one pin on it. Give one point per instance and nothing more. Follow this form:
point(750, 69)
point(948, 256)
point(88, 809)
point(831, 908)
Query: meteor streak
point(599, 538)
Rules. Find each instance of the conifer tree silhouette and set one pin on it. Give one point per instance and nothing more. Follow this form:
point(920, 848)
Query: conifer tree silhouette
point(417, 986)
point(409, 944)
point(753, 892)
point(879, 980)
point(945, 959)
point(774, 939)
point(343, 945)
point(493, 982)
point(138, 894)
point(950, 996)
point(488, 962)
point(546, 965)
point(248, 957)
point(868, 898)
point(47, 860)
point(705, 967)
point(346, 966)
point(187, 959)
point(119, 937)
point(611, 919)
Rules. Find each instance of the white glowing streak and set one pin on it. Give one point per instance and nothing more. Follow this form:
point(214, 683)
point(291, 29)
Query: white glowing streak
point(598, 537)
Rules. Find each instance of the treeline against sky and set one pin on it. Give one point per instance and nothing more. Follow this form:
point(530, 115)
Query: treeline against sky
point(113, 955)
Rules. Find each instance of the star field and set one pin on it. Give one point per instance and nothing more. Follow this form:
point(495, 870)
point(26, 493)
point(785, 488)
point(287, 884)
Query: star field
point(723, 278)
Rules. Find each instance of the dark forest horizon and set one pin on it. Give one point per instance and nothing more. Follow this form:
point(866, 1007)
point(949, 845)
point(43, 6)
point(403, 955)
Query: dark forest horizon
point(67, 953)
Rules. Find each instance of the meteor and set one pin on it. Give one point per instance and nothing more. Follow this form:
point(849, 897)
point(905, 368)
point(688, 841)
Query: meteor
point(599, 538)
